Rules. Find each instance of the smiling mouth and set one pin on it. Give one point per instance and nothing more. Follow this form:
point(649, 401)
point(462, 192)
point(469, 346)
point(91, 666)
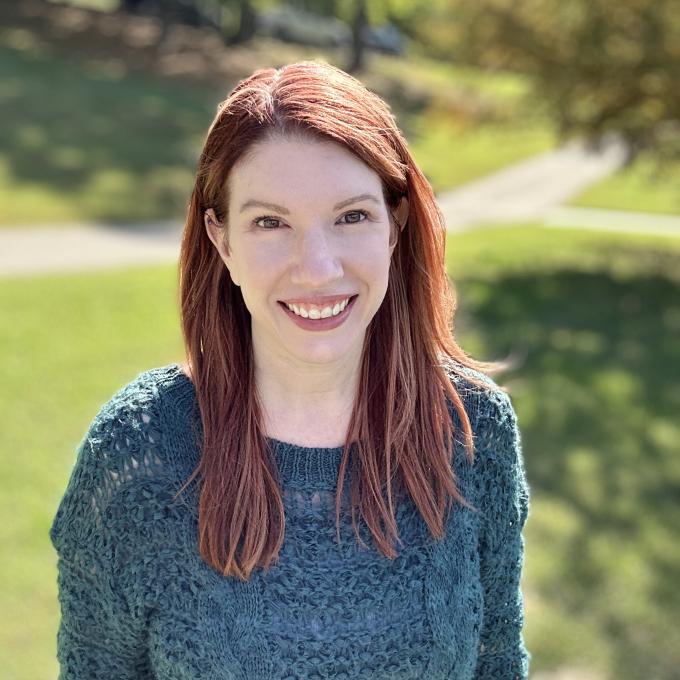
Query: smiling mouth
point(316, 312)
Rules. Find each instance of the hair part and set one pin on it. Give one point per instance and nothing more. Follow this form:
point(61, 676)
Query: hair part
point(400, 424)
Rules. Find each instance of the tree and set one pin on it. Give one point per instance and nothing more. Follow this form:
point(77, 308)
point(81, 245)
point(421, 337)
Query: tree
point(359, 24)
point(189, 12)
point(130, 6)
point(601, 65)
point(246, 24)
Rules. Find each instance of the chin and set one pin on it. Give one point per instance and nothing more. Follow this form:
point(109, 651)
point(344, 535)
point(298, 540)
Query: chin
point(320, 352)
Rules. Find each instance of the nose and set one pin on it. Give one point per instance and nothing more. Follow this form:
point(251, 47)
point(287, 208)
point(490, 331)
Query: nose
point(316, 262)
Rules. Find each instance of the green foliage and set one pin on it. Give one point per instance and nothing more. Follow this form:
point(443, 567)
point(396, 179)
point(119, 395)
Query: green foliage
point(602, 65)
point(451, 155)
point(430, 23)
point(99, 5)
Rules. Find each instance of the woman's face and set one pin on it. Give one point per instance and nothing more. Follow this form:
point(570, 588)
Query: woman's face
point(306, 225)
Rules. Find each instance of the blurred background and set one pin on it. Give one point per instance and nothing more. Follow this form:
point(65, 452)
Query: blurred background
point(551, 134)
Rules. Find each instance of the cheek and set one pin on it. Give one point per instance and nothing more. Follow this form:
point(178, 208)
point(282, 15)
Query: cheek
point(259, 269)
point(372, 266)
point(372, 256)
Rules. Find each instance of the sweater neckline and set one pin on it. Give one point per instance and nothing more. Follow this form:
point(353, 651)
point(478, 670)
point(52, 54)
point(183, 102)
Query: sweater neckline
point(316, 466)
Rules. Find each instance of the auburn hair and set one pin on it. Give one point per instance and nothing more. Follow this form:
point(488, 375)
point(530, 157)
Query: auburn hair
point(400, 422)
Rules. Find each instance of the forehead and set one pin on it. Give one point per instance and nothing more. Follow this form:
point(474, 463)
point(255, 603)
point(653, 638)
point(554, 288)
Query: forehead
point(291, 165)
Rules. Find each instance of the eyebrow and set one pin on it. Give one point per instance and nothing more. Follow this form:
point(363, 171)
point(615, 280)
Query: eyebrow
point(252, 203)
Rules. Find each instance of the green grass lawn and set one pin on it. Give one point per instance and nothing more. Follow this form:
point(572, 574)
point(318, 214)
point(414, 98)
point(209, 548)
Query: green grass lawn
point(594, 321)
point(640, 187)
point(450, 155)
point(595, 318)
point(66, 342)
point(94, 140)
point(477, 121)
point(98, 147)
point(448, 81)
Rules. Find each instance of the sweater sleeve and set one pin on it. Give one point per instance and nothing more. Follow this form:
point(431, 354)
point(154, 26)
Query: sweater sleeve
point(502, 654)
point(100, 634)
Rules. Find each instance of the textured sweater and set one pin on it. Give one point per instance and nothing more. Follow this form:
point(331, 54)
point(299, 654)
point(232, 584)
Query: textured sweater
point(137, 601)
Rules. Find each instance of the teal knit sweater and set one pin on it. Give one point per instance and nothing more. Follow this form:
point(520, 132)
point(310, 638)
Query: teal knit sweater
point(138, 602)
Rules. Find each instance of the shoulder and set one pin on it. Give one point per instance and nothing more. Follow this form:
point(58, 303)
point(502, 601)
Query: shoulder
point(496, 419)
point(130, 403)
point(124, 443)
point(137, 412)
point(498, 452)
point(496, 481)
point(500, 475)
point(488, 405)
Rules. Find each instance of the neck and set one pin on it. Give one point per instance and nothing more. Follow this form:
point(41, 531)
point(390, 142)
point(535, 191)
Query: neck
point(306, 401)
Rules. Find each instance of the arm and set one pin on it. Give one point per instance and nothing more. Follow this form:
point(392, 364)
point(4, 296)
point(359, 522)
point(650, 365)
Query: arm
point(502, 654)
point(100, 635)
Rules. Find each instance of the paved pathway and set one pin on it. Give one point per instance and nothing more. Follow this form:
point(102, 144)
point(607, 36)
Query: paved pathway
point(530, 190)
point(613, 220)
point(42, 249)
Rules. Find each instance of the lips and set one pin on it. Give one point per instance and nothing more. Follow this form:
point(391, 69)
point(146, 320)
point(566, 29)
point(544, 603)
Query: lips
point(327, 323)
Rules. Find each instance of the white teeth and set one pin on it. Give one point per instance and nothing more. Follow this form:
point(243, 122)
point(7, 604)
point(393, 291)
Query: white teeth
point(316, 313)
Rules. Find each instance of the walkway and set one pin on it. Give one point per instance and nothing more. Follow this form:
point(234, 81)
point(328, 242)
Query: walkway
point(86, 247)
point(613, 220)
point(528, 190)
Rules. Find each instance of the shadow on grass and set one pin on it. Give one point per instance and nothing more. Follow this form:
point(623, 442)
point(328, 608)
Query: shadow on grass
point(71, 135)
point(598, 398)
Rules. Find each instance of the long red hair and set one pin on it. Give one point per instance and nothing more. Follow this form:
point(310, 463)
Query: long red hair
point(400, 421)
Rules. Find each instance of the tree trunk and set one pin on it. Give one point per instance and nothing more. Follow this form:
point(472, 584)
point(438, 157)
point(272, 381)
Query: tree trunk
point(360, 21)
point(246, 27)
point(130, 6)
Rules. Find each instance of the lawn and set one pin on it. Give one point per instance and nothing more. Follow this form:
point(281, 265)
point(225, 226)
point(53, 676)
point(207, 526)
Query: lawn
point(641, 187)
point(66, 342)
point(100, 148)
point(451, 155)
point(593, 320)
point(89, 135)
point(593, 317)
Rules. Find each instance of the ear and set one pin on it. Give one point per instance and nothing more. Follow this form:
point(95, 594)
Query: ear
point(216, 233)
point(401, 213)
point(399, 217)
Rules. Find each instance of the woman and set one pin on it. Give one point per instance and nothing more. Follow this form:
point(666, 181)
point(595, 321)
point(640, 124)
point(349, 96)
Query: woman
point(212, 526)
